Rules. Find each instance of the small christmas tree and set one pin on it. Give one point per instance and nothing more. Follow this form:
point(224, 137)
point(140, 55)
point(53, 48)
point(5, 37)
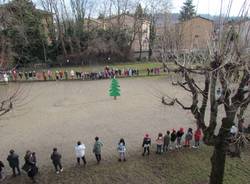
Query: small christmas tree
point(114, 88)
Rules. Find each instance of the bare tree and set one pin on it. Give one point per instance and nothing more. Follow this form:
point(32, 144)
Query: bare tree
point(225, 57)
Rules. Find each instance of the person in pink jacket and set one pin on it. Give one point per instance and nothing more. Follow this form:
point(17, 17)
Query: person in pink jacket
point(159, 143)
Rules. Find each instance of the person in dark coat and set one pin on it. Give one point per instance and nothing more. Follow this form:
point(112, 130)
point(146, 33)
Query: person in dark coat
point(146, 144)
point(30, 165)
point(173, 139)
point(13, 160)
point(1, 171)
point(56, 160)
point(179, 135)
point(166, 141)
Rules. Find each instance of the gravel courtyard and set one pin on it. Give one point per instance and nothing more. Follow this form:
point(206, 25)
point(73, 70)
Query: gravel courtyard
point(57, 114)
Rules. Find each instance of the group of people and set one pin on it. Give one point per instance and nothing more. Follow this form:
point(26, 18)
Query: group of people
point(172, 140)
point(30, 161)
point(164, 143)
point(107, 72)
point(154, 71)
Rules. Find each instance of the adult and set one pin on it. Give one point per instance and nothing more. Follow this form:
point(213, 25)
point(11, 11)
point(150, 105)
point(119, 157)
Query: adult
point(80, 152)
point(121, 150)
point(30, 165)
point(1, 171)
point(56, 160)
point(97, 149)
point(146, 144)
point(13, 160)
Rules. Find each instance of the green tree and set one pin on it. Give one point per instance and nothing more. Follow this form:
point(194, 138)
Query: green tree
point(187, 11)
point(24, 29)
point(114, 88)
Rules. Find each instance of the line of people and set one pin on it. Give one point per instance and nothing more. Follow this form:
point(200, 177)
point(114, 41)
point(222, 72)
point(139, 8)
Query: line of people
point(172, 140)
point(163, 144)
point(107, 72)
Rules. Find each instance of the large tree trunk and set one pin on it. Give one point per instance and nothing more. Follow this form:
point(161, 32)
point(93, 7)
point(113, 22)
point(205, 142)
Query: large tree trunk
point(218, 160)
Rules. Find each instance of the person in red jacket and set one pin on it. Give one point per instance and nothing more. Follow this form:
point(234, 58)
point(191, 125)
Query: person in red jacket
point(197, 138)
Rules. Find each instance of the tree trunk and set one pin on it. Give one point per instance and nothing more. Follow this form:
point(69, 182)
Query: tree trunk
point(218, 160)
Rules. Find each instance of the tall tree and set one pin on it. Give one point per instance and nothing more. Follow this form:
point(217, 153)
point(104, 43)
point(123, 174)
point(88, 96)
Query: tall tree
point(23, 28)
point(187, 11)
point(139, 18)
point(225, 58)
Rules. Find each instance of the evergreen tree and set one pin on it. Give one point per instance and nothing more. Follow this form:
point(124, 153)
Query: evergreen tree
point(114, 88)
point(187, 11)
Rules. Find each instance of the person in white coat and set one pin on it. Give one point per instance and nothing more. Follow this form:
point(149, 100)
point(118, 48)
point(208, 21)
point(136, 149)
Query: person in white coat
point(80, 152)
point(121, 150)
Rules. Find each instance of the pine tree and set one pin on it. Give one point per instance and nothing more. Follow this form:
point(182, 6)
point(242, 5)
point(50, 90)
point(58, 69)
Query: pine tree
point(114, 88)
point(187, 11)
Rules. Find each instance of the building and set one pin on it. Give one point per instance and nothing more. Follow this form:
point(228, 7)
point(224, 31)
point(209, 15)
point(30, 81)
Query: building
point(193, 34)
point(241, 28)
point(94, 24)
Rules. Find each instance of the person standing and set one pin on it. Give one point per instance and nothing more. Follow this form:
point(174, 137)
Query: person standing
point(166, 141)
point(56, 160)
point(121, 150)
point(97, 149)
point(146, 144)
point(188, 137)
point(13, 160)
point(173, 138)
point(1, 171)
point(179, 137)
point(80, 153)
point(159, 143)
point(30, 165)
point(197, 137)
point(72, 74)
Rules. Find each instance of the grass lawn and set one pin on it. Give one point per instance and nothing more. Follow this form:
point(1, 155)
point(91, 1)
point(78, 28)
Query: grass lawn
point(187, 166)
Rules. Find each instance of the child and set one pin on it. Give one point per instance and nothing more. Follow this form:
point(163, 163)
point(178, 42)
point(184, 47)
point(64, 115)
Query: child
point(166, 141)
point(197, 137)
point(179, 137)
point(159, 143)
point(146, 144)
point(121, 149)
point(189, 137)
point(173, 138)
